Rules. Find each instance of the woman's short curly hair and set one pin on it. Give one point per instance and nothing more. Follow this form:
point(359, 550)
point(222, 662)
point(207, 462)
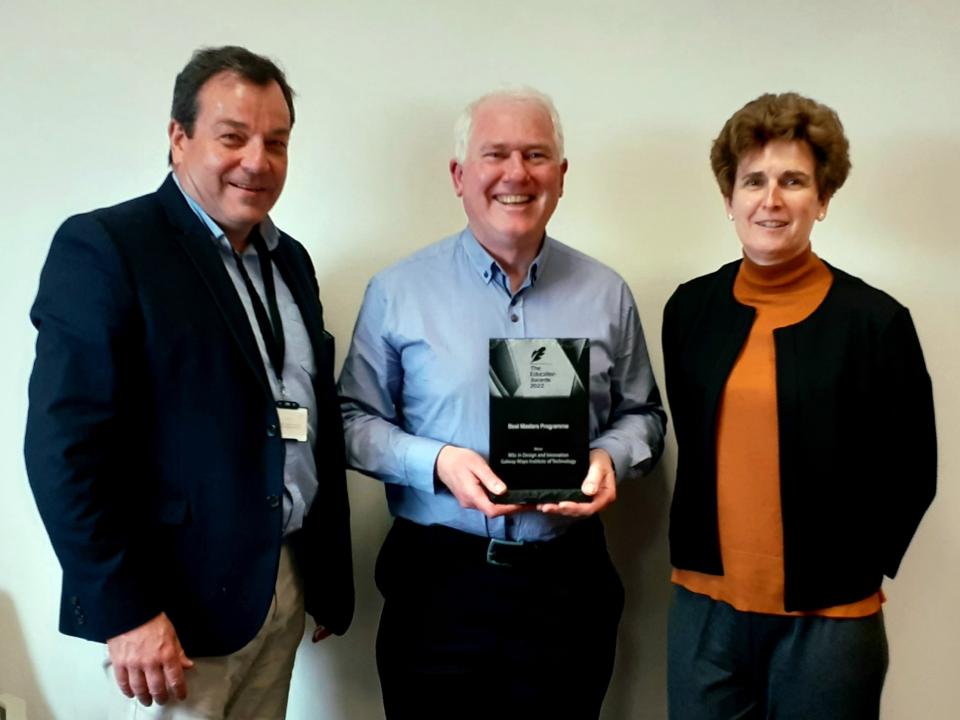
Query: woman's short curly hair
point(787, 116)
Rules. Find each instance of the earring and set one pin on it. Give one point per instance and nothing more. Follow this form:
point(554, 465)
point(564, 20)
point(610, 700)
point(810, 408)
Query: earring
point(821, 216)
point(730, 217)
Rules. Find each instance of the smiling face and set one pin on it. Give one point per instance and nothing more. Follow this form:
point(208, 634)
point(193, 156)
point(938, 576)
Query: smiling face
point(235, 163)
point(512, 175)
point(775, 201)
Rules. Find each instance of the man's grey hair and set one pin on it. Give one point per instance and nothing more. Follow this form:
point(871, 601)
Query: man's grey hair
point(518, 93)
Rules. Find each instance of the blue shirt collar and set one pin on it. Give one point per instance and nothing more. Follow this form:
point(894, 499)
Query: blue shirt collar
point(489, 270)
point(268, 231)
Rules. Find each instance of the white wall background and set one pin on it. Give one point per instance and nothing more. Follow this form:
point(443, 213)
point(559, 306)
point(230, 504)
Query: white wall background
point(643, 87)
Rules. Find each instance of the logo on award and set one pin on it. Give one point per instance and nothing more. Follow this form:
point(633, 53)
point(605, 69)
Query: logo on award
point(539, 367)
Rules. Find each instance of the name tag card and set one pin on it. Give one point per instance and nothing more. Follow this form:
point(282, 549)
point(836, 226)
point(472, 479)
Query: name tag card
point(293, 421)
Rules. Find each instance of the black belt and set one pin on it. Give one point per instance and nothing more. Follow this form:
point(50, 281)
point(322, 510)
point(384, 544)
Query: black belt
point(582, 541)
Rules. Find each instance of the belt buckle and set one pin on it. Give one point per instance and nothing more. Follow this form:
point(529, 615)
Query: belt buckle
point(499, 552)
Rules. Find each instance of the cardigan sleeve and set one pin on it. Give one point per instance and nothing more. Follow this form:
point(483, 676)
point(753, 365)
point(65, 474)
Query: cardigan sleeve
point(669, 343)
point(909, 484)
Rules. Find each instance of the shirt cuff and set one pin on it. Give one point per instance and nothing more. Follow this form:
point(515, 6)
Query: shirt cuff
point(620, 457)
point(419, 462)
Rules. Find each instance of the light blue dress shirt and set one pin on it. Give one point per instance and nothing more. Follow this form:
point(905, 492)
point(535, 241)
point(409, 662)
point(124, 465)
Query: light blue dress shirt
point(416, 376)
point(299, 367)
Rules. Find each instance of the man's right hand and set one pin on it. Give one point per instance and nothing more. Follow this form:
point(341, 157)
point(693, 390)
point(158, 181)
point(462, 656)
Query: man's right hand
point(148, 662)
point(467, 475)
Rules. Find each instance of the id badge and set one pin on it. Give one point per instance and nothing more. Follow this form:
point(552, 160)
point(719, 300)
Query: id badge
point(293, 420)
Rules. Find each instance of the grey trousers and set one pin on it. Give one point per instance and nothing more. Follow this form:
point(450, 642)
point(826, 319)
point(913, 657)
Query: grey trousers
point(724, 664)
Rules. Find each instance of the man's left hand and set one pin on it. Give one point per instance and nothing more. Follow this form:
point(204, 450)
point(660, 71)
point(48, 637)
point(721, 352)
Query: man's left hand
point(600, 484)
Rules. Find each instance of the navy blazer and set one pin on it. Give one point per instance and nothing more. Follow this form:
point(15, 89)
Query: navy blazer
point(152, 441)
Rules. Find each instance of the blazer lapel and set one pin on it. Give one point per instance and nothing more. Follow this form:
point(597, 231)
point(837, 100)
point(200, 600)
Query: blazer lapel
point(304, 292)
point(194, 238)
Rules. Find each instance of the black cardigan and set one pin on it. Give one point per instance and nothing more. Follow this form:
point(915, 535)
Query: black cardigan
point(856, 428)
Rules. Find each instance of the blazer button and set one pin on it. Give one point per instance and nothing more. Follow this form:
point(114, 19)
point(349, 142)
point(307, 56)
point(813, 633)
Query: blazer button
point(271, 430)
point(74, 600)
point(273, 501)
point(81, 620)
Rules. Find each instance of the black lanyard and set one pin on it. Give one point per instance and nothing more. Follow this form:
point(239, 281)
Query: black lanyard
point(272, 332)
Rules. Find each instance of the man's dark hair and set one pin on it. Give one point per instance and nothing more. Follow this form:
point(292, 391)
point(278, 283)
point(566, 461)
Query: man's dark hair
point(207, 62)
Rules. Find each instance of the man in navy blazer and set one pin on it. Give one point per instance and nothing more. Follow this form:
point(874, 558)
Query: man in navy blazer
point(184, 441)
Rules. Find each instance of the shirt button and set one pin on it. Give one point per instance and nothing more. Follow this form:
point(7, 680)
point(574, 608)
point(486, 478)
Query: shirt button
point(514, 317)
point(271, 430)
point(273, 502)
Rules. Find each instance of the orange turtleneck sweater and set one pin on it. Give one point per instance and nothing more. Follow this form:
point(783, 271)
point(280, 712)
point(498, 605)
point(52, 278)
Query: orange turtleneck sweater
point(748, 452)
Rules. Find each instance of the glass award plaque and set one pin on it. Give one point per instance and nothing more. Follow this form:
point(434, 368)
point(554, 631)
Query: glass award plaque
point(539, 415)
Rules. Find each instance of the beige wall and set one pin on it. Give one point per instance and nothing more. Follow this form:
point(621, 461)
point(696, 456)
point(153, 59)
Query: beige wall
point(643, 87)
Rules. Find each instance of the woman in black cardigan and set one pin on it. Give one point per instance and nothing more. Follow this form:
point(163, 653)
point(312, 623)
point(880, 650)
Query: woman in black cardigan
point(807, 449)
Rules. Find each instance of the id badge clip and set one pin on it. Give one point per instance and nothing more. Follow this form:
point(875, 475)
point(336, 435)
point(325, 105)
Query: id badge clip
point(293, 420)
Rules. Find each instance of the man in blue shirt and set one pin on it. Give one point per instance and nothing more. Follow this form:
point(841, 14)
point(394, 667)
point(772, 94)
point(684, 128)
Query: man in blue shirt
point(184, 440)
point(494, 610)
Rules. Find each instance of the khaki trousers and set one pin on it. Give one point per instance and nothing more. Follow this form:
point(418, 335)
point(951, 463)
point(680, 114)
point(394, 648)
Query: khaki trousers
point(250, 684)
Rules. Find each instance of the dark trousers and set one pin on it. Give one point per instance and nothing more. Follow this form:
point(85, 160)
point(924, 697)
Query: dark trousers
point(724, 664)
point(461, 637)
